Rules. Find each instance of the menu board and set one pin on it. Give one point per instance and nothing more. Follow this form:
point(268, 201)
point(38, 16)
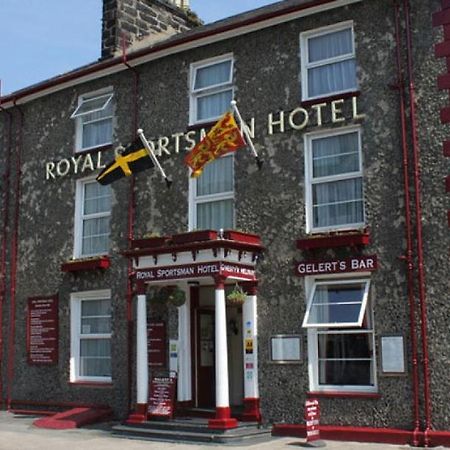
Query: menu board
point(157, 346)
point(42, 330)
point(162, 396)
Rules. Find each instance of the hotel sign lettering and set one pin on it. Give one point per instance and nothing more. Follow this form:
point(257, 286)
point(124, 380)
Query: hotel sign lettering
point(327, 267)
point(187, 271)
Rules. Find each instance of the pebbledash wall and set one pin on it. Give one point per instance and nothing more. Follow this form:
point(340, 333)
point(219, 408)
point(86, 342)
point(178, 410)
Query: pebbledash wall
point(267, 84)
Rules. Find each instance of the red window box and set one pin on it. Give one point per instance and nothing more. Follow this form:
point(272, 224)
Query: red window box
point(194, 236)
point(338, 240)
point(240, 236)
point(152, 242)
point(76, 265)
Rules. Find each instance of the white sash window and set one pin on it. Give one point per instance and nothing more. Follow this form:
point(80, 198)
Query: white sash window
point(328, 64)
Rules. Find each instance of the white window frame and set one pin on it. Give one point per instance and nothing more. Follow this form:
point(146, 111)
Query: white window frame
point(194, 200)
point(194, 94)
point(108, 95)
point(75, 333)
point(306, 65)
point(313, 341)
point(309, 180)
point(80, 217)
point(362, 310)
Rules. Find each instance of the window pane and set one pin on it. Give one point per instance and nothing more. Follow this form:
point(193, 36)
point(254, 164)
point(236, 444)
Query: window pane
point(213, 75)
point(97, 198)
point(353, 373)
point(216, 177)
point(97, 133)
point(96, 316)
point(215, 215)
point(334, 155)
point(341, 346)
point(334, 314)
point(335, 77)
point(338, 203)
point(95, 357)
point(330, 45)
point(95, 236)
point(214, 105)
point(93, 104)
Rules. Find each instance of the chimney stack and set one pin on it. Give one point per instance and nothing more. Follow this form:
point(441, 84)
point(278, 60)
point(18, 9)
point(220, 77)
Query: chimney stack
point(135, 20)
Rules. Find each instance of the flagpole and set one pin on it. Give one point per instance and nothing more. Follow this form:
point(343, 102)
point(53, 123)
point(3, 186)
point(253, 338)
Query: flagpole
point(147, 146)
point(244, 128)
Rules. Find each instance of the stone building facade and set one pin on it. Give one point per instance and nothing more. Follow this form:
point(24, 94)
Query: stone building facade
point(346, 263)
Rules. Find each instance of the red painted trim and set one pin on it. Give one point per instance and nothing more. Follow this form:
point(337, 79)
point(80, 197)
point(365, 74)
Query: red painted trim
point(194, 236)
point(223, 419)
point(329, 98)
point(443, 81)
point(342, 433)
point(239, 236)
point(445, 113)
point(183, 39)
point(340, 240)
point(102, 262)
point(446, 148)
point(439, 438)
point(339, 394)
point(252, 410)
point(445, 4)
point(442, 49)
point(188, 247)
point(446, 32)
point(441, 18)
point(447, 183)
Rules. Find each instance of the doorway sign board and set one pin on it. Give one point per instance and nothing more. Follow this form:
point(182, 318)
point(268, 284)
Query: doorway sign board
point(161, 401)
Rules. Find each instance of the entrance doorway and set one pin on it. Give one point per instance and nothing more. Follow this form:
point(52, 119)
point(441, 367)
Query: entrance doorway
point(203, 312)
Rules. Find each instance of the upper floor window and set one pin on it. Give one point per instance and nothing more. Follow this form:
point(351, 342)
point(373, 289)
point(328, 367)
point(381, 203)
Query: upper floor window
point(334, 180)
point(94, 121)
point(212, 196)
point(90, 336)
point(328, 64)
point(341, 338)
point(92, 218)
point(211, 88)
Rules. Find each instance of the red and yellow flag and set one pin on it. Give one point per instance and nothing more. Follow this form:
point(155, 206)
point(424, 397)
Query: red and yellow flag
point(224, 137)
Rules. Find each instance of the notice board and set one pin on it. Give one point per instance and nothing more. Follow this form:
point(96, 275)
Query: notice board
point(157, 344)
point(42, 330)
point(161, 400)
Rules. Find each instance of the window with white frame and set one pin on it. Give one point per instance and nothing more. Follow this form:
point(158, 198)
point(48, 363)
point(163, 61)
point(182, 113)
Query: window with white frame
point(212, 196)
point(211, 88)
point(92, 218)
point(341, 341)
point(94, 120)
point(334, 180)
point(90, 336)
point(328, 63)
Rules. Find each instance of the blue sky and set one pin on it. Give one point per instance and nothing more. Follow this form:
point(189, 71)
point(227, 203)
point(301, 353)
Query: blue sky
point(40, 39)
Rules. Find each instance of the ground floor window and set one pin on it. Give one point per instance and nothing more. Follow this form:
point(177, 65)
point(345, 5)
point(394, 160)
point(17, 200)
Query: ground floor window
point(90, 336)
point(341, 339)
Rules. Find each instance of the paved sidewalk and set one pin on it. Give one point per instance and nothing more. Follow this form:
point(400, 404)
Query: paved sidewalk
point(18, 433)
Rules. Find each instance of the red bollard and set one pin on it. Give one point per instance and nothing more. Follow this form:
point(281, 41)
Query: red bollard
point(312, 418)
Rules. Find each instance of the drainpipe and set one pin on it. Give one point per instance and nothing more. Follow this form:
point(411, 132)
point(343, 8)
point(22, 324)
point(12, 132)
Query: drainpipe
point(6, 188)
point(408, 258)
point(14, 252)
point(130, 232)
point(418, 207)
